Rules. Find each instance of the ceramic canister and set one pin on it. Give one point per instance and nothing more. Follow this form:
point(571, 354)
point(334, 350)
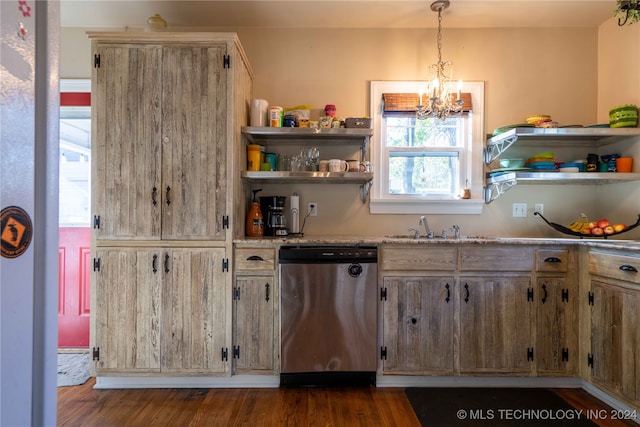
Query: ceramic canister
point(259, 112)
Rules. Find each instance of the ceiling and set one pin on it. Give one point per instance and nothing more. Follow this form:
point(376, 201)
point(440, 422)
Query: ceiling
point(181, 14)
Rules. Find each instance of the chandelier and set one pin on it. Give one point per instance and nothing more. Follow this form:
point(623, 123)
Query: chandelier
point(441, 100)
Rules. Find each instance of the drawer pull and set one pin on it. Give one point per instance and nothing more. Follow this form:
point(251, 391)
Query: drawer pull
point(255, 258)
point(627, 267)
point(553, 259)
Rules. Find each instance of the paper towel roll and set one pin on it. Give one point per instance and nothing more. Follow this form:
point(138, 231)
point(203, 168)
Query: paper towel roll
point(259, 110)
point(294, 203)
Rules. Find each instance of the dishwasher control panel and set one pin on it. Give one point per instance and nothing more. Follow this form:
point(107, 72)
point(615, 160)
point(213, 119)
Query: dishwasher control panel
point(328, 254)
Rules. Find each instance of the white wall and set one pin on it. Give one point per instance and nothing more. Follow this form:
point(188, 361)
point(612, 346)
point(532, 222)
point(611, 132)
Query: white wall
point(526, 71)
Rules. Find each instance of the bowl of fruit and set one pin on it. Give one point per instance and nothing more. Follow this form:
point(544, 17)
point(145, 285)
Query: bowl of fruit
point(585, 228)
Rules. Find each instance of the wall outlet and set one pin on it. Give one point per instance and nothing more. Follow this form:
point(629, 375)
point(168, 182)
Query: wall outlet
point(312, 209)
point(519, 210)
point(539, 207)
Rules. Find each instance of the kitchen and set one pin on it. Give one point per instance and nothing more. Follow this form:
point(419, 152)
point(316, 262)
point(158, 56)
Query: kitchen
point(460, 266)
point(558, 66)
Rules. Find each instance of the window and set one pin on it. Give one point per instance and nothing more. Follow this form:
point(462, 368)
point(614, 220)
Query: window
point(421, 168)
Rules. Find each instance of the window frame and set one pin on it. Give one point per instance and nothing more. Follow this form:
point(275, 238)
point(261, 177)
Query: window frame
point(471, 164)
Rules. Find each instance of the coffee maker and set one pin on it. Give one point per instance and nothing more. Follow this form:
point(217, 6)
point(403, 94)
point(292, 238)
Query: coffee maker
point(274, 215)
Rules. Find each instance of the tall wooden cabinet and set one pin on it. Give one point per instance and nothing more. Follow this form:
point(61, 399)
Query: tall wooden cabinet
point(167, 109)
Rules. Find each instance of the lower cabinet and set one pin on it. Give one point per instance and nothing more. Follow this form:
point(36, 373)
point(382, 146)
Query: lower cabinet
point(255, 305)
point(495, 325)
point(418, 325)
point(556, 351)
point(253, 324)
point(159, 311)
point(615, 316)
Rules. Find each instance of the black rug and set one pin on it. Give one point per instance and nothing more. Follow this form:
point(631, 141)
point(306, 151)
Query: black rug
point(494, 407)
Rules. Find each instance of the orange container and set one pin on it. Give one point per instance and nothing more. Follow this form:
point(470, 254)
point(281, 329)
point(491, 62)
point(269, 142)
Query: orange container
point(253, 157)
point(624, 164)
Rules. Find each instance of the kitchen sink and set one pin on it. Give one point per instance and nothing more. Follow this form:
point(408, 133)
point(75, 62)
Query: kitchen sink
point(411, 237)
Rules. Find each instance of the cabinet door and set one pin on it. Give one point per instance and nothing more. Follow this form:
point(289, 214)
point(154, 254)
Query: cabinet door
point(254, 323)
point(126, 143)
point(126, 310)
point(495, 325)
point(193, 311)
point(556, 326)
point(418, 325)
point(195, 107)
point(615, 340)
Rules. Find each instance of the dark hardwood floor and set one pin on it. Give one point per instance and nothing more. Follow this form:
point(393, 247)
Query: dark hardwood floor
point(83, 406)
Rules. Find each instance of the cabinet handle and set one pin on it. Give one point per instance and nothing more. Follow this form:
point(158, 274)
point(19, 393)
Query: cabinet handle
point(266, 292)
point(168, 193)
point(448, 297)
point(166, 263)
point(544, 296)
point(255, 258)
point(627, 267)
point(553, 259)
point(154, 264)
point(466, 293)
point(154, 196)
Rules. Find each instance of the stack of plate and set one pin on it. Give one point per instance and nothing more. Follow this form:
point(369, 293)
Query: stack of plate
point(542, 162)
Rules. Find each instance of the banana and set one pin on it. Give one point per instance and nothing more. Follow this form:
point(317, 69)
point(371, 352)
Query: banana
point(579, 224)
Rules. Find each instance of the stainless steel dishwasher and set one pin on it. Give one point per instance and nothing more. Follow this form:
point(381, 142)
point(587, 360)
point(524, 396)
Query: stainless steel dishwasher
point(328, 315)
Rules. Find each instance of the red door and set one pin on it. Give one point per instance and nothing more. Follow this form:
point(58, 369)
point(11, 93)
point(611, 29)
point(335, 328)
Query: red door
point(74, 262)
point(74, 255)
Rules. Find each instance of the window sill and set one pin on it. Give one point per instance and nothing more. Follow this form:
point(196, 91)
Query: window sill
point(446, 207)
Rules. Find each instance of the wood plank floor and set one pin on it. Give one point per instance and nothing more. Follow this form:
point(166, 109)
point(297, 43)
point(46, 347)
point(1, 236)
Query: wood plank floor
point(84, 406)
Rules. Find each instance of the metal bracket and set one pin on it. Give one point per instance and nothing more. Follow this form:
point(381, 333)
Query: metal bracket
point(494, 149)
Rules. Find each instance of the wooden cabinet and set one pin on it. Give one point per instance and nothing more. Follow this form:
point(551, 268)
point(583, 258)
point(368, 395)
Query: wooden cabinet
point(161, 311)
point(495, 325)
point(496, 310)
point(167, 109)
point(556, 325)
point(160, 140)
point(417, 310)
point(479, 310)
point(615, 316)
point(255, 296)
point(418, 325)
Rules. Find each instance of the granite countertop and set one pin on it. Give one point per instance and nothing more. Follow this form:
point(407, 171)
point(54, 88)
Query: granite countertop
point(406, 240)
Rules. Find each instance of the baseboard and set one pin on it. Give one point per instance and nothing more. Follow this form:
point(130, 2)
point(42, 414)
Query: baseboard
point(236, 381)
point(426, 381)
point(613, 402)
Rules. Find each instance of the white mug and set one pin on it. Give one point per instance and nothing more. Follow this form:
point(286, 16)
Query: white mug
point(337, 165)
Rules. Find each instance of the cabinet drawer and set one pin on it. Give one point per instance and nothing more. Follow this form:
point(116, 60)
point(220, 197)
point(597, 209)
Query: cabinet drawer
point(615, 266)
point(553, 260)
point(407, 259)
point(491, 258)
point(255, 259)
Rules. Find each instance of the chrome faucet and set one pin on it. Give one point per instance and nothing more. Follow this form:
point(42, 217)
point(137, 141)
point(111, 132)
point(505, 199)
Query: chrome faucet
point(416, 232)
point(423, 221)
point(456, 229)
